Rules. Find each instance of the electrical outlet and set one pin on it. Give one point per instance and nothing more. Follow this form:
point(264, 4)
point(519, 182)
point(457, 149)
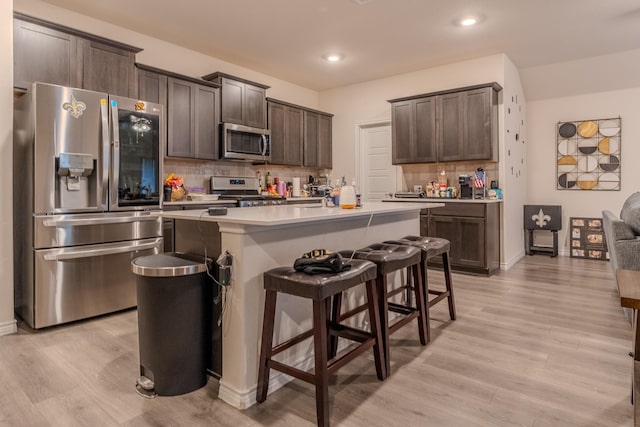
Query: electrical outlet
point(225, 263)
point(417, 188)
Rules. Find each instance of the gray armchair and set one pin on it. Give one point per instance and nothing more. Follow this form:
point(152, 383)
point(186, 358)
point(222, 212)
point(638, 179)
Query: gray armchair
point(623, 237)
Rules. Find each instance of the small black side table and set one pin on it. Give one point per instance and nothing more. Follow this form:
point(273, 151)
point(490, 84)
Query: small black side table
point(542, 217)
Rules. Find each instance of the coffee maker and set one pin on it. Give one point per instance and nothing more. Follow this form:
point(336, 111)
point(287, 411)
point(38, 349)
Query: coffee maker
point(466, 186)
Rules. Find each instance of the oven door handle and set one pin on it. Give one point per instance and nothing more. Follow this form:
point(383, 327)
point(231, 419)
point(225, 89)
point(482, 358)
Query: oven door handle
point(90, 253)
point(96, 221)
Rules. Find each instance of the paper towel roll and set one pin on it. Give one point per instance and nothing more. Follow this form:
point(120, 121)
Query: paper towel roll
point(296, 187)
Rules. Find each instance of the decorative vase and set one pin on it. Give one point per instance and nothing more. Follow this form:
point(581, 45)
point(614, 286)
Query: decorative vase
point(167, 189)
point(178, 193)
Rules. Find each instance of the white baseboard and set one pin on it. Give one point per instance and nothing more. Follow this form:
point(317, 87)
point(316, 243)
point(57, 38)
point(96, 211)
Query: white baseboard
point(507, 265)
point(7, 328)
point(245, 399)
point(511, 262)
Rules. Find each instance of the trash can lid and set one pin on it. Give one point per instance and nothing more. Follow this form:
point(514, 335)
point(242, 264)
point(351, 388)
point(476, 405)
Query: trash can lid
point(169, 264)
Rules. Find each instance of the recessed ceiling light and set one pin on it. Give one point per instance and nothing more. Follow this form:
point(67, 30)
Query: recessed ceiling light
point(333, 57)
point(468, 21)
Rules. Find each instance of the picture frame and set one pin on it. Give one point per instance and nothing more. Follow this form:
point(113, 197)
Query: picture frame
point(588, 239)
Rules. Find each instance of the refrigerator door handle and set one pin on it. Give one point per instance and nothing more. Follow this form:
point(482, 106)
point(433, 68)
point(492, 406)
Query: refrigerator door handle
point(90, 253)
point(97, 221)
point(104, 190)
point(115, 157)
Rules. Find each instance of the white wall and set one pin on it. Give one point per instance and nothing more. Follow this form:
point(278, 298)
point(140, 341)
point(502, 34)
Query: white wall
point(368, 101)
point(513, 165)
point(167, 56)
point(7, 322)
point(583, 76)
point(542, 118)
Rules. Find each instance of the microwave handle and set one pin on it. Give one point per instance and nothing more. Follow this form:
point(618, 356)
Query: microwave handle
point(265, 144)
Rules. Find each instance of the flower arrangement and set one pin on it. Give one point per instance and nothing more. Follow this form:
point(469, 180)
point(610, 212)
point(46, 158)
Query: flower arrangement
point(174, 181)
point(176, 184)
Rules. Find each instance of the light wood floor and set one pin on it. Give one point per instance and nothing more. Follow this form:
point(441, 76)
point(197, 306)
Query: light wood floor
point(544, 344)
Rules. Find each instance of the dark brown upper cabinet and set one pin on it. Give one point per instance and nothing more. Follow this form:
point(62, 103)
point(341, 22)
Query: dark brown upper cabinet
point(481, 124)
point(192, 111)
point(450, 135)
point(447, 126)
point(242, 102)
point(414, 131)
point(299, 136)
point(51, 53)
point(192, 119)
point(42, 54)
point(317, 139)
point(286, 126)
point(152, 86)
point(109, 69)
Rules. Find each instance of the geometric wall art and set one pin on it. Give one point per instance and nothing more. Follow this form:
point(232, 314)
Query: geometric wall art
point(588, 155)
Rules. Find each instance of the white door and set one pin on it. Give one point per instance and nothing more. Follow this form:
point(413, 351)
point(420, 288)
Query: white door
point(377, 176)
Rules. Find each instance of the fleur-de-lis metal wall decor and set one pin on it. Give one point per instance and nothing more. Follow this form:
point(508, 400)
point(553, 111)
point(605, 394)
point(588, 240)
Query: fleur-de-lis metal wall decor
point(74, 107)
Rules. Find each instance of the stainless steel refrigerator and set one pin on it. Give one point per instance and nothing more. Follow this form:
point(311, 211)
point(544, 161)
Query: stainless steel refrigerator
point(87, 171)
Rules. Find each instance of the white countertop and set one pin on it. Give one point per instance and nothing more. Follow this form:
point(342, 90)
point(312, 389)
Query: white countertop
point(440, 200)
point(279, 215)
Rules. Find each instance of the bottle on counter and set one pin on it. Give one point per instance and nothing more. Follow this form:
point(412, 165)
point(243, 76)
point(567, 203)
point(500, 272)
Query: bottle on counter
point(335, 193)
point(442, 179)
point(267, 180)
point(358, 195)
point(260, 182)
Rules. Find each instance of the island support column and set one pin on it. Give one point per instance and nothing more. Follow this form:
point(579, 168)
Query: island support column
point(256, 249)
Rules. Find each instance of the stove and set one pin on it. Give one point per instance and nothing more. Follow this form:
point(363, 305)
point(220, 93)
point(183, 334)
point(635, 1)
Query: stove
point(243, 190)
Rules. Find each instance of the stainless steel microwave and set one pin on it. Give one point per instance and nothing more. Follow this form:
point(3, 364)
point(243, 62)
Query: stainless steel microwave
point(245, 143)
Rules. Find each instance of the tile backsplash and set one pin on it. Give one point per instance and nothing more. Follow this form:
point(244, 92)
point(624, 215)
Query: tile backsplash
point(421, 174)
point(196, 173)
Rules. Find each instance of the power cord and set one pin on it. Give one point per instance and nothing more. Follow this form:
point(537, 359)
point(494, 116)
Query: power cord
point(223, 288)
point(366, 230)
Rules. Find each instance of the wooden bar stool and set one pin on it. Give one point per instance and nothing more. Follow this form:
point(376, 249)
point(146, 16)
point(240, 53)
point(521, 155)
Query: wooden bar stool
point(432, 247)
point(319, 288)
point(391, 258)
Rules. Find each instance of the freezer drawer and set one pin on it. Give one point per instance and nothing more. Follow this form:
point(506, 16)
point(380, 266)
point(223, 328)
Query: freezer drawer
point(53, 231)
point(79, 282)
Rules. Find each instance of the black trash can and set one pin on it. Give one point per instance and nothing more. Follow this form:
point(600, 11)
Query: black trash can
point(174, 323)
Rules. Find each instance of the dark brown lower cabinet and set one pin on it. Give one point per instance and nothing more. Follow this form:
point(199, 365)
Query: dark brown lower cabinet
point(474, 232)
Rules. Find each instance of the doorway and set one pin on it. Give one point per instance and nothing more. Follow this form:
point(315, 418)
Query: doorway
point(377, 177)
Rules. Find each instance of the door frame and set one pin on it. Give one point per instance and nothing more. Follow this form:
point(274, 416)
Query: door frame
point(359, 127)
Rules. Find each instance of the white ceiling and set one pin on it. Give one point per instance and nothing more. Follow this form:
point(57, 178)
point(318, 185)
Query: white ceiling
point(287, 38)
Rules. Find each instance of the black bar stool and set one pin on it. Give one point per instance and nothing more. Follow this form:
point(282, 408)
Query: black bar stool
point(432, 247)
point(391, 258)
point(319, 288)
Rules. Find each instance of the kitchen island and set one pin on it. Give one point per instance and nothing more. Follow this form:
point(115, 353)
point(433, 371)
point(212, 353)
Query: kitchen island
point(261, 238)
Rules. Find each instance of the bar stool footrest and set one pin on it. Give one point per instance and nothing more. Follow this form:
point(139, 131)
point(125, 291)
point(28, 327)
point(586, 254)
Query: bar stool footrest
point(401, 309)
point(437, 299)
